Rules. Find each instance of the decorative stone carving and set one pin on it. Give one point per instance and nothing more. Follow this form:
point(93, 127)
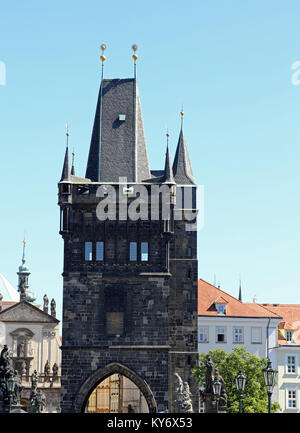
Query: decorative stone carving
point(53, 308)
point(47, 369)
point(46, 303)
point(207, 395)
point(183, 396)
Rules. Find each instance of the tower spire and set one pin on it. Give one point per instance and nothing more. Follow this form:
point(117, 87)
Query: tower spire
point(118, 144)
point(182, 169)
point(23, 274)
point(240, 290)
point(168, 174)
point(65, 175)
point(73, 166)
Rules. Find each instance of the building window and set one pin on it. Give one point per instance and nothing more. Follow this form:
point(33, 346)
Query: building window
point(132, 251)
point(289, 336)
point(291, 399)
point(291, 364)
point(189, 252)
point(144, 251)
point(255, 335)
point(238, 335)
point(100, 251)
point(221, 308)
point(115, 322)
point(88, 251)
point(203, 334)
point(220, 335)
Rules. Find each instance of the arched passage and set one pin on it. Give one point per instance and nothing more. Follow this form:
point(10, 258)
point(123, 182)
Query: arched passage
point(101, 374)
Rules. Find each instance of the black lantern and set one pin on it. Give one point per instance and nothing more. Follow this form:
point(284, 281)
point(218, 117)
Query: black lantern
point(217, 390)
point(240, 381)
point(270, 376)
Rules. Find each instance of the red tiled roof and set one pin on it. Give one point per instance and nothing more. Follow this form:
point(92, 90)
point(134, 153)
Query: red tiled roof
point(209, 294)
point(290, 314)
point(7, 304)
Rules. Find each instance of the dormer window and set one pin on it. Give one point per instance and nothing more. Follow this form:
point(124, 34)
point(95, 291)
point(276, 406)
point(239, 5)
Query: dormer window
point(289, 336)
point(221, 308)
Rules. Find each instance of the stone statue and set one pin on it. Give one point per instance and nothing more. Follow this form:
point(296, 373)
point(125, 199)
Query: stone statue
point(1, 297)
point(209, 375)
point(55, 370)
point(53, 308)
point(7, 371)
point(223, 395)
point(16, 398)
point(34, 380)
point(21, 349)
point(47, 369)
point(36, 398)
point(183, 396)
point(46, 303)
point(207, 395)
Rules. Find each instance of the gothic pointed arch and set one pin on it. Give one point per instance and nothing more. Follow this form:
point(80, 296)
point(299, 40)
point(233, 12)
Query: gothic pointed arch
point(101, 374)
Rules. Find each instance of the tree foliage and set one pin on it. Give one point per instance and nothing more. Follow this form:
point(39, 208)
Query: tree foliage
point(255, 397)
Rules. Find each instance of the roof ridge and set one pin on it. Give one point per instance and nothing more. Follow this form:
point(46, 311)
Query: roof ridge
point(221, 290)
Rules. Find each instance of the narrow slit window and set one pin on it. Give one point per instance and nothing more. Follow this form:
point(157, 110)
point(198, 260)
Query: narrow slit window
point(132, 251)
point(100, 251)
point(88, 251)
point(144, 251)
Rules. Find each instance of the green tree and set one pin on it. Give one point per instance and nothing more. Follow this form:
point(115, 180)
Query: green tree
point(255, 397)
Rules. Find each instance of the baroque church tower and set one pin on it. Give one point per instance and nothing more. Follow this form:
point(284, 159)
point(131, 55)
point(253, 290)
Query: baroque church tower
point(129, 283)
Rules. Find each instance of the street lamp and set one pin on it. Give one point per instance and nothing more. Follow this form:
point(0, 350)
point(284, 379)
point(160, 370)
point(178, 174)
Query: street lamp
point(217, 390)
point(10, 385)
point(269, 377)
point(240, 381)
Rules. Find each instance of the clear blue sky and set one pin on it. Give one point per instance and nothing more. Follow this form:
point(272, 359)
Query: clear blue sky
point(228, 62)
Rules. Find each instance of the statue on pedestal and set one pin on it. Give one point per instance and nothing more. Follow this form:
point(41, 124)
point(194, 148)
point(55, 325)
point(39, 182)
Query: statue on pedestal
point(183, 398)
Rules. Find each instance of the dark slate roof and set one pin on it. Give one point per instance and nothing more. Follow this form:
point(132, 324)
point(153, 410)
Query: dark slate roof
point(182, 169)
point(65, 175)
point(168, 173)
point(118, 148)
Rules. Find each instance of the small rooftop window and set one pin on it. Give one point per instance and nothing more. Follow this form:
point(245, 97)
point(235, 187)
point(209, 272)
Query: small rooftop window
point(289, 336)
point(122, 117)
point(221, 308)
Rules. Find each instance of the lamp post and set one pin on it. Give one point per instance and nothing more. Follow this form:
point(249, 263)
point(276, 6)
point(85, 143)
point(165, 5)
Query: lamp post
point(217, 390)
point(240, 381)
point(269, 377)
point(10, 386)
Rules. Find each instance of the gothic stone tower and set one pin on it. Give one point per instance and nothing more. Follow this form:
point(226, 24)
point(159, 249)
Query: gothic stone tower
point(129, 286)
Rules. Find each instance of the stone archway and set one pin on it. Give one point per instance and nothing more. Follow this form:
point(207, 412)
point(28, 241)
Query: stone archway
point(101, 374)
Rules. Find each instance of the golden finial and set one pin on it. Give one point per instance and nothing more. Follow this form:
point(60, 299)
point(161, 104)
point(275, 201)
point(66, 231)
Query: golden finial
point(102, 57)
point(135, 56)
point(24, 240)
point(67, 128)
point(167, 135)
point(181, 114)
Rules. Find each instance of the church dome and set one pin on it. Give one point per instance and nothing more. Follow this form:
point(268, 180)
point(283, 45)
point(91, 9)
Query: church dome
point(8, 292)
